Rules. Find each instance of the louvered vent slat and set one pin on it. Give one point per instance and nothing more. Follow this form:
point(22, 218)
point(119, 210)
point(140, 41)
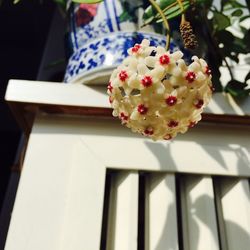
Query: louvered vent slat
point(123, 211)
point(160, 216)
point(235, 203)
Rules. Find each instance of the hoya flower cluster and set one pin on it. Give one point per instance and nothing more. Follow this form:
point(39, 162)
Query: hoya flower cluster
point(155, 93)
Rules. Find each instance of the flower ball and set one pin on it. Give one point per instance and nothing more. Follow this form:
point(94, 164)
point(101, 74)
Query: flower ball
point(155, 93)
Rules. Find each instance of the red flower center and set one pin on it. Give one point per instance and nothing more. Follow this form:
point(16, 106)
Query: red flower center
point(142, 109)
point(148, 131)
point(173, 124)
point(199, 103)
point(136, 48)
point(147, 81)
point(208, 71)
point(123, 75)
point(110, 87)
point(171, 100)
point(191, 124)
point(212, 88)
point(190, 76)
point(123, 117)
point(110, 99)
point(164, 59)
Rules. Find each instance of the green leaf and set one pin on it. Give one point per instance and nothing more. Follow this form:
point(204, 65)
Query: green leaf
point(239, 46)
point(176, 11)
point(125, 16)
point(62, 3)
point(247, 77)
point(237, 12)
point(148, 21)
point(237, 88)
point(238, 94)
point(248, 5)
point(224, 36)
point(244, 18)
point(237, 85)
point(220, 21)
point(207, 3)
point(150, 11)
point(87, 1)
point(170, 12)
point(231, 4)
point(246, 40)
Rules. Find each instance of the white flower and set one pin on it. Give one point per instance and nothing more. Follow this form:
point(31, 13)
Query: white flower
point(156, 94)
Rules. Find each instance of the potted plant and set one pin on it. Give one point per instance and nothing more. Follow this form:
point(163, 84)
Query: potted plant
point(100, 35)
point(218, 43)
point(223, 36)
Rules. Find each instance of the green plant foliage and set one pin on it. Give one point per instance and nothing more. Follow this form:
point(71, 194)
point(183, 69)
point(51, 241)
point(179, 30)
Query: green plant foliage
point(229, 45)
point(237, 88)
point(175, 11)
point(247, 77)
point(129, 12)
point(170, 8)
point(220, 21)
point(87, 1)
point(237, 12)
point(61, 3)
point(211, 24)
point(231, 4)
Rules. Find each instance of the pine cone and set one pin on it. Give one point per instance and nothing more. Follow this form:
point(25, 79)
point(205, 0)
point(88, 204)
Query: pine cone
point(188, 36)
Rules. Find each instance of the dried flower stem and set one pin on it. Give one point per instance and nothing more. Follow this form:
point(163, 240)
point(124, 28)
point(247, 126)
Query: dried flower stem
point(165, 21)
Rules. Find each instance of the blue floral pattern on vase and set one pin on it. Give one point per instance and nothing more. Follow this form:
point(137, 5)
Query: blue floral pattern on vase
point(92, 21)
point(107, 53)
point(100, 39)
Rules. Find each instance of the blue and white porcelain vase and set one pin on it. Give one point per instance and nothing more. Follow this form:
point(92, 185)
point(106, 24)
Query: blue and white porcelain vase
point(100, 39)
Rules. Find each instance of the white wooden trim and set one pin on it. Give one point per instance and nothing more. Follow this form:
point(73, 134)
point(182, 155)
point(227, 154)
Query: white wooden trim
point(161, 218)
point(84, 201)
point(57, 93)
point(47, 207)
point(60, 192)
point(39, 208)
point(235, 202)
point(203, 150)
point(95, 96)
point(198, 213)
point(123, 213)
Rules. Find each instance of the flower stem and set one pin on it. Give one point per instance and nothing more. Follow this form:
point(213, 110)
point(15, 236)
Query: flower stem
point(229, 68)
point(165, 21)
point(183, 19)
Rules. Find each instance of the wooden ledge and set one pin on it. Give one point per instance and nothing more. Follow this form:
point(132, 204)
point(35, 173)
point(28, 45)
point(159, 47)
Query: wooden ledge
point(26, 98)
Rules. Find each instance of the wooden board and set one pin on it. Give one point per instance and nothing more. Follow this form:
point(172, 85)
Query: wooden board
point(25, 98)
